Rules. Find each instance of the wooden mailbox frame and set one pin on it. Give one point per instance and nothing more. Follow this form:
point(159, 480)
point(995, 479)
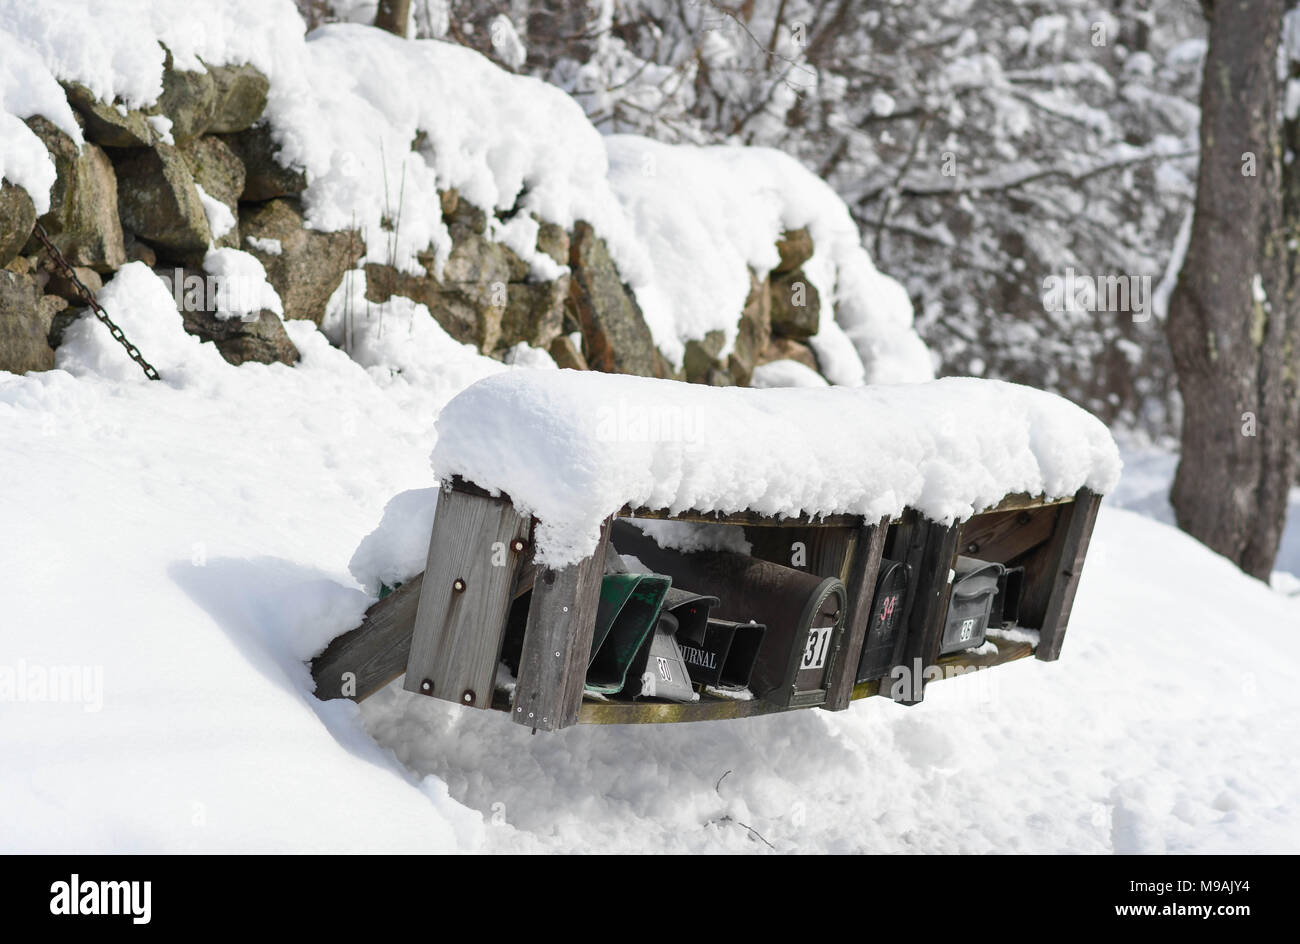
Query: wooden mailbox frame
point(445, 628)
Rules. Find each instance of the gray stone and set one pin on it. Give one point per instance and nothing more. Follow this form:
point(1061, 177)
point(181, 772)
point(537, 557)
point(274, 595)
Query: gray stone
point(795, 247)
point(220, 173)
point(24, 324)
point(566, 354)
point(615, 336)
point(449, 200)
point(106, 126)
point(83, 218)
point(260, 337)
point(701, 360)
point(264, 341)
point(62, 286)
point(553, 240)
point(796, 306)
point(240, 98)
point(310, 264)
point(753, 332)
point(787, 349)
point(137, 251)
point(264, 177)
point(159, 202)
point(189, 99)
point(17, 219)
point(534, 314)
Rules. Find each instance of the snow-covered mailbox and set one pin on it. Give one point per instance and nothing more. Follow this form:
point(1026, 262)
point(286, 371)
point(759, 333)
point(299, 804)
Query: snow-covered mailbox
point(821, 534)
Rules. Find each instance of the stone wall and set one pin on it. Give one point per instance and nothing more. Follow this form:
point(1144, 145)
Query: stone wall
point(135, 192)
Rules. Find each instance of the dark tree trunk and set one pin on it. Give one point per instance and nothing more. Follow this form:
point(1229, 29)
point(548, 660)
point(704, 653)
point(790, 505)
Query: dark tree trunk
point(1232, 326)
point(393, 15)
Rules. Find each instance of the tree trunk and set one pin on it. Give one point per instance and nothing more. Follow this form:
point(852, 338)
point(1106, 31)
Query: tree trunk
point(1232, 326)
point(393, 15)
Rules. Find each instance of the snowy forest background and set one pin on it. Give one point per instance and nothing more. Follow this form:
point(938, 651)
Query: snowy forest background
point(982, 146)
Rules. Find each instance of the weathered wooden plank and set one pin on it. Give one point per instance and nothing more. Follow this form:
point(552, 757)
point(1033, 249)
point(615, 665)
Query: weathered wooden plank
point(557, 642)
point(859, 575)
point(1012, 502)
point(1002, 536)
point(474, 558)
point(930, 549)
point(1056, 573)
point(363, 660)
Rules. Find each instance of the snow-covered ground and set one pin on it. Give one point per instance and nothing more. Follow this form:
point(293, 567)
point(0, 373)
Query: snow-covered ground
point(184, 546)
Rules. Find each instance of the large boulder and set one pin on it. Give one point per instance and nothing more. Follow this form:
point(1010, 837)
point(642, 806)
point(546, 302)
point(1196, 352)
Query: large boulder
point(265, 178)
point(615, 336)
point(25, 317)
point(796, 306)
point(17, 219)
point(105, 124)
point(303, 265)
point(83, 217)
point(240, 98)
point(160, 204)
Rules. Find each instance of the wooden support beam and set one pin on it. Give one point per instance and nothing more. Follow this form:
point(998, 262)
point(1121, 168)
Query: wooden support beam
point(557, 642)
point(930, 550)
point(1002, 536)
point(363, 660)
point(1052, 577)
point(860, 570)
point(476, 549)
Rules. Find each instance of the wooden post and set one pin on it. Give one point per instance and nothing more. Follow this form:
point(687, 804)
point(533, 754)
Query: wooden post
point(557, 642)
point(477, 546)
point(1052, 577)
point(930, 550)
point(363, 660)
point(862, 567)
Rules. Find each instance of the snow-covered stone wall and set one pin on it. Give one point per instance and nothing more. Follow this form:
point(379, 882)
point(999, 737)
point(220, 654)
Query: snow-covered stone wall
point(267, 175)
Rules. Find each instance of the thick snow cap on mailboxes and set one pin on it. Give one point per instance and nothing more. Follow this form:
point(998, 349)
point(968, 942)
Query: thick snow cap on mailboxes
point(572, 447)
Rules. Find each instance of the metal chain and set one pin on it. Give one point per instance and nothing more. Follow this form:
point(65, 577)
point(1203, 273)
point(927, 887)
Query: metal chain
point(131, 350)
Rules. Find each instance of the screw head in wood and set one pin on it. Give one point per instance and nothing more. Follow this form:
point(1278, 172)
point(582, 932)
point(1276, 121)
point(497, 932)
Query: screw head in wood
point(468, 696)
point(458, 585)
point(972, 547)
point(518, 544)
point(426, 686)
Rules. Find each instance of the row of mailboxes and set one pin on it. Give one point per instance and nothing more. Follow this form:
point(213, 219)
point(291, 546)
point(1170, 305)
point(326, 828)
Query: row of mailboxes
point(720, 622)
